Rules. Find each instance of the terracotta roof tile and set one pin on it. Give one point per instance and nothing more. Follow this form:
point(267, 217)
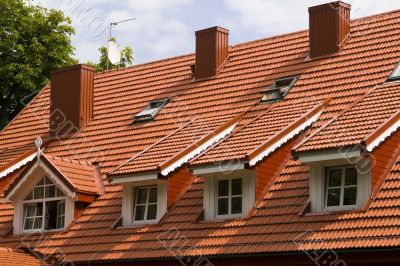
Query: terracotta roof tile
point(111, 140)
point(11, 257)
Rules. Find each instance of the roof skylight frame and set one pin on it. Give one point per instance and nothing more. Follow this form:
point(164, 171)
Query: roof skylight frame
point(151, 111)
point(395, 76)
point(280, 88)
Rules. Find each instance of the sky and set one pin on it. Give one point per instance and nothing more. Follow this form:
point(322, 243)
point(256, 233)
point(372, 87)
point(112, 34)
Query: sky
point(165, 28)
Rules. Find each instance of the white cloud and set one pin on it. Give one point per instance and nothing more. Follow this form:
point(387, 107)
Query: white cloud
point(165, 28)
point(272, 16)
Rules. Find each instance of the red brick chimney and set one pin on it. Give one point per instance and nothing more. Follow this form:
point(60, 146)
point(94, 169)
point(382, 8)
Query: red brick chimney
point(71, 99)
point(211, 51)
point(329, 28)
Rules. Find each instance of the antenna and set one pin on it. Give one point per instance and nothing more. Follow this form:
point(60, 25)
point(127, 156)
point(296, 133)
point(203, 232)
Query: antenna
point(112, 45)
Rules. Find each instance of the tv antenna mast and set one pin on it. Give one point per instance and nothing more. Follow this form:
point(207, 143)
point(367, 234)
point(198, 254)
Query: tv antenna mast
point(114, 54)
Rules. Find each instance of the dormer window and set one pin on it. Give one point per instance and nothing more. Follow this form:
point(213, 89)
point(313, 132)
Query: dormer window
point(228, 196)
point(279, 89)
point(338, 187)
point(44, 207)
point(151, 111)
point(395, 74)
point(145, 208)
point(341, 188)
point(144, 202)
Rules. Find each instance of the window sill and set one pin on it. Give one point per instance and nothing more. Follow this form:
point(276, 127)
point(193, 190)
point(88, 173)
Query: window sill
point(225, 220)
point(331, 212)
point(135, 226)
point(40, 232)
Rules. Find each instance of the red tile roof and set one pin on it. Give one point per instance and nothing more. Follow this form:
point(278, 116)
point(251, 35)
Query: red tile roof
point(357, 122)
point(81, 175)
point(275, 226)
point(9, 257)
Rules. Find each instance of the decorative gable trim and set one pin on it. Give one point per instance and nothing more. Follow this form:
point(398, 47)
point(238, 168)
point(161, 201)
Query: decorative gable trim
point(17, 165)
point(382, 133)
point(196, 149)
point(53, 176)
point(329, 155)
point(285, 135)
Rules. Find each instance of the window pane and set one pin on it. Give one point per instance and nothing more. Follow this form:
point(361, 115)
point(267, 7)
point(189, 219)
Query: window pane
point(59, 193)
point(153, 195)
point(48, 181)
point(30, 210)
point(223, 188)
point(38, 223)
point(38, 193)
point(222, 206)
point(237, 186)
point(139, 214)
point(51, 215)
point(333, 197)
point(41, 182)
point(350, 196)
point(30, 196)
point(351, 177)
point(28, 223)
point(61, 208)
point(335, 178)
point(50, 192)
point(396, 72)
point(141, 197)
point(152, 212)
point(60, 222)
point(236, 205)
point(39, 209)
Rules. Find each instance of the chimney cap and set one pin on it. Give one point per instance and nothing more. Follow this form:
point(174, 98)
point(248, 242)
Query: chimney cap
point(335, 4)
point(79, 66)
point(212, 29)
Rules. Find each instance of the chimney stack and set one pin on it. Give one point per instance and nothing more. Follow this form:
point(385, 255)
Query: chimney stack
point(211, 51)
point(329, 28)
point(71, 97)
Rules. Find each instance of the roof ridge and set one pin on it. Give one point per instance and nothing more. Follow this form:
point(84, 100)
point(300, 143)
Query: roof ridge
point(272, 37)
point(146, 63)
point(63, 159)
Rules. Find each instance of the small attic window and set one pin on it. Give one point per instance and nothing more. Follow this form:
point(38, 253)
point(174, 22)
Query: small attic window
point(279, 89)
point(151, 111)
point(396, 73)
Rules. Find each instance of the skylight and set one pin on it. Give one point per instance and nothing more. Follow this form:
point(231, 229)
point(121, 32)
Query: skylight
point(151, 111)
point(396, 73)
point(279, 89)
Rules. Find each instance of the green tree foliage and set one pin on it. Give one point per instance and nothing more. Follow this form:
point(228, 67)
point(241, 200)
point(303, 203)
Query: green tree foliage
point(33, 41)
point(126, 59)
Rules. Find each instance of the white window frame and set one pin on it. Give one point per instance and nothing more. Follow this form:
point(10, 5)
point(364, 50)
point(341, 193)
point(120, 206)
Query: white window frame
point(342, 187)
point(229, 197)
point(43, 201)
point(129, 200)
point(211, 193)
point(318, 177)
point(394, 75)
point(25, 187)
point(146, 204)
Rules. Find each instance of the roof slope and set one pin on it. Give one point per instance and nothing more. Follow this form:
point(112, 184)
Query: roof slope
point(357, 122)
point(80, 175)
point(9, 257)
point(111, 139)
point(276, 226)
